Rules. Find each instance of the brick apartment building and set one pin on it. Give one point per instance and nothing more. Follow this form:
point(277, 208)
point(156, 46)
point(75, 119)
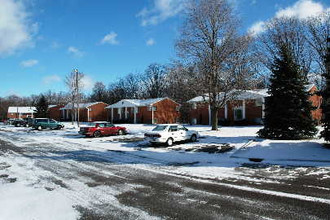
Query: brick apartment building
point(146, 111)
point(247, 108)
point(94, 111)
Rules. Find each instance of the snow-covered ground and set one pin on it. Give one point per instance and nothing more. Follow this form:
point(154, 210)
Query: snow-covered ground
point(131, 150)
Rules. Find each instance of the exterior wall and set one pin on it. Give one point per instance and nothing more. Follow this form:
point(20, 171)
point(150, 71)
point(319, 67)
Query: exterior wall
point(316, 102)
point(97, 112)
point(22, 115)
point(253, 111)
point(55, 112)
point(201, 114)
point(166, 112)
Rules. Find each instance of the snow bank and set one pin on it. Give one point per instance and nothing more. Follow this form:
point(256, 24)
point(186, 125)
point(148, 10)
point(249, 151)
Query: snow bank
point(19, 201)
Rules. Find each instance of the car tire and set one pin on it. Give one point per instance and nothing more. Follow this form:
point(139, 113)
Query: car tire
point(193, 138)
point(59, 127)
point(169, 142)
point(97, 134)
point(120, 132)
point(39, 128)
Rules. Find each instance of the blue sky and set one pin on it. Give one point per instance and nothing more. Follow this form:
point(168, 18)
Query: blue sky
point(41, 41)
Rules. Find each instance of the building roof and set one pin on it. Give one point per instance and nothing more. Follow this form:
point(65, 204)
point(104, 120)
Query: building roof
point(81, 105)
point(22, 110)
point(135, 102)
point(243, 94)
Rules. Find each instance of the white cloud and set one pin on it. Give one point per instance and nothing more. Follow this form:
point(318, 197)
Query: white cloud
point(302, 9)
point(15, 27)
point(161, 10)
point(110, 38)
point(29, 63)
point(88, 83)
point(51, 79)
point(257, 28)
point(150, 42)
point(75, 51)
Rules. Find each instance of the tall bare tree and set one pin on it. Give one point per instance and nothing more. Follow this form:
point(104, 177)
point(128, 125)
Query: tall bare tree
point(74, 82)
point(210, 39)
point(318, 31)
point(288, 31)
point(154, 81)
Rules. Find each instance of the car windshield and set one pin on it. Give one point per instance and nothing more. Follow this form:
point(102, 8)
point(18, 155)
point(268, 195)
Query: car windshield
point(160, 128)
point(91, 124)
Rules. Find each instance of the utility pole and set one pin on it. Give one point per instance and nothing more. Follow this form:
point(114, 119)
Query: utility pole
point(77, 94)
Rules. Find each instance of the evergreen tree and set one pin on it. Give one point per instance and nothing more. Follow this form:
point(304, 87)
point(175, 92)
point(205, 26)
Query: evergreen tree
point(326, 97)
point(42, 107)
point(287, 109)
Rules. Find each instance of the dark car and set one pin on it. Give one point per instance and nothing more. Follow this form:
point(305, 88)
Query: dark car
point(98, 129)
point(19, 122)
point(43, 123)
point(9, 121)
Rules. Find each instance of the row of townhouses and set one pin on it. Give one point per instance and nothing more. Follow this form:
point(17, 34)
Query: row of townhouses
point(247, 108)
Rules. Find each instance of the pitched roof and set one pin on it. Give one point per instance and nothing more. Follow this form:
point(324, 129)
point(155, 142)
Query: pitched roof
point(22, 110)
point(135, 102)
point(81, 105)
point(243, 94)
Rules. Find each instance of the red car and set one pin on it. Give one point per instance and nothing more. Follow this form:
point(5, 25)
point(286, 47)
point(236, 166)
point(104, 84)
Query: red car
point(98, 129)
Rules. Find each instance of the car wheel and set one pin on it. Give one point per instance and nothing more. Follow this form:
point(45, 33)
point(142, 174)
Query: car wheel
point(27, 125)
point(169, 142)
point(97, 134)
point(18, 125)
point(193, 138)
point(39, 128)
point(59, 127)
point(120, 132)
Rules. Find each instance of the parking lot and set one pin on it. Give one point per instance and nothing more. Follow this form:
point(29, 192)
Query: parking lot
point(125, 177)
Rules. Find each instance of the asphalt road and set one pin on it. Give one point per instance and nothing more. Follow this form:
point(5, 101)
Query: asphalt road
point(129, 190)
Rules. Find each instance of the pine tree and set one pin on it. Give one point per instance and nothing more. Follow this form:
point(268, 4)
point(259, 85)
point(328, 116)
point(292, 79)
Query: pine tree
point(287, 109)
point(326, 97)
point(42, 107)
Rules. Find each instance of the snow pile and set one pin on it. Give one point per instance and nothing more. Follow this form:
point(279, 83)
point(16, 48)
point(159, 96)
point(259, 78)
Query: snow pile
point(19, 201)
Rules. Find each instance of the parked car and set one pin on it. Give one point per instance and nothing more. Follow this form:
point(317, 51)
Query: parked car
point(98, 129)
point(171, 133)
point(43, 123)
point(9, 121)
point(19, 122)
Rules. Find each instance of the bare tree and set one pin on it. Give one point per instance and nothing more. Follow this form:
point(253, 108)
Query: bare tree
point(75, 84)
point(318, 29)
point(99, 92)
point(285, 31)
point(153, 81)
point(210, 39)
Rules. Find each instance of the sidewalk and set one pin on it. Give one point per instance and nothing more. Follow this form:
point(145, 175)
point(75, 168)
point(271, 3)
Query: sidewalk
point(309, 152)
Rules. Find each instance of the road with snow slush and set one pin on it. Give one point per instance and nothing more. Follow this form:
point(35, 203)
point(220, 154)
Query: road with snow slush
point(115, 184)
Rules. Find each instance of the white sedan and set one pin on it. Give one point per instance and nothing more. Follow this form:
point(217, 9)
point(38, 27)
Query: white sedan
point(170, 133)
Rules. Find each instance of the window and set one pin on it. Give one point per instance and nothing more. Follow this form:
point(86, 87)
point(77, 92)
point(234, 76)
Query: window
point(154, 108)
point(160, 128)
point(182, 128)
point(238, 114)
point(101, 125)
point(154, 121)
point(194, 121)
point(52, 121)
point(258, 102)
point(109, 125)
point(177, 108)
point(173, 128)
point(194, 105)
